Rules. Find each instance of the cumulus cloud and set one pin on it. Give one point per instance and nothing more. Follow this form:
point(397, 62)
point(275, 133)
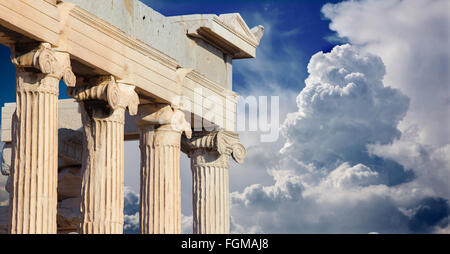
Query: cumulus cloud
point(412, 38)
point(367, 150)
point(430, 164)
point(131, 223)
point(130, 211)
point(343, 107)
point(326, 181)
point(347, 177)
point(348, 200)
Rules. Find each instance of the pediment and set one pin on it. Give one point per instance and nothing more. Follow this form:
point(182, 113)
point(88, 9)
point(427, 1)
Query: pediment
point(235, 22)
point(227, 32)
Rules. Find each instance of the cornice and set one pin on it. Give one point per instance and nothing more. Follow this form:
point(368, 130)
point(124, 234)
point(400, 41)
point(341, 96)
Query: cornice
point(118, 35)
point(215, 87)
point(233, 31)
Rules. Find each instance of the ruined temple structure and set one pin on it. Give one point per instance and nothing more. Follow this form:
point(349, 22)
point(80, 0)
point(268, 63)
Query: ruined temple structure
point(132, 74)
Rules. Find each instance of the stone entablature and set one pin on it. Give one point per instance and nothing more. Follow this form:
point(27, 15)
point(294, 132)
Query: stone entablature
point(114, 38)
point(133, 74)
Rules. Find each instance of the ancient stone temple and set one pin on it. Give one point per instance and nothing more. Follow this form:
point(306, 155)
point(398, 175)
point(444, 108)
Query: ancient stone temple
point(132, 74)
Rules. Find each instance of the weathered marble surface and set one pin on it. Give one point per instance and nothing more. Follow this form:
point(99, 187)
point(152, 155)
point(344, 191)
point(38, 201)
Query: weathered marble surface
point(103, 104)
point(168, 34)
point(69, 117)
point(160, 137)
point(210, 155)
point(155, 61)
point(34, 159)
point(69, 160)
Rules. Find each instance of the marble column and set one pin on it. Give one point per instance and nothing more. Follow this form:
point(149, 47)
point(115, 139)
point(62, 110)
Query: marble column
point(160, 127)
point(34, 171)
point(102, 196)
point(210, 153)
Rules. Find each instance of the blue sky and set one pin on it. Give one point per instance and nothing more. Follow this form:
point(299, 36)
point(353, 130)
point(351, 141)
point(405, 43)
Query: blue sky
point(360, 148)
point(299, 23)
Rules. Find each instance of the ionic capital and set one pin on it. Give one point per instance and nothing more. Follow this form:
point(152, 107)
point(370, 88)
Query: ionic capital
point(106, 88)
point(156, 114)
point(223, 142)
point(49, 62)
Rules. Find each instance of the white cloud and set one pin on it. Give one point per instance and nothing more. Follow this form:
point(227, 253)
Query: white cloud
point(291, 207)
point(343, 107)
point(131, 211)
point(287, 187)
point(412, 38)
point(430, 164)
point(325, 179)
point(186, 224)
point(345, 176)
point(328, 179)
point(131, 223)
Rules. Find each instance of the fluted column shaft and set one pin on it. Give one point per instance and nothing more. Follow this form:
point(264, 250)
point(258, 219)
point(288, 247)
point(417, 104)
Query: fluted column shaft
point(102, 174)
point(210, 161)
point(34, 171)
point(210, 190)
point(160, 204)
point(160, 127)
point(103, 102)
point(35, 155)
